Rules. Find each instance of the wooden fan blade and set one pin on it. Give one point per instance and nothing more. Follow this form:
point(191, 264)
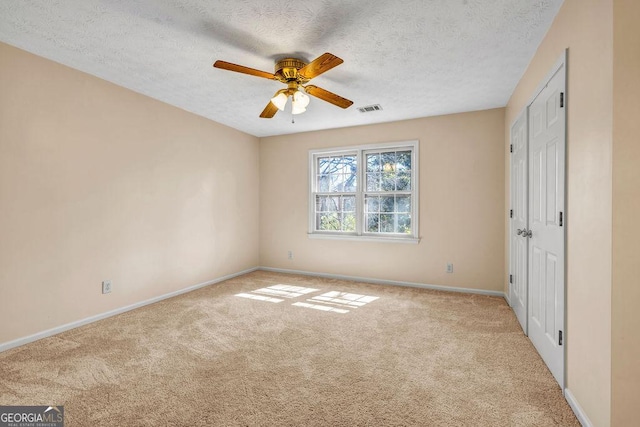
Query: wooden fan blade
point(323, 63)
point(242, 69)
point(330, 97)
point(269, 111)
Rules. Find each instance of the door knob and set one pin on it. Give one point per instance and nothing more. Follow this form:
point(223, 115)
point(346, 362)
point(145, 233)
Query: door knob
point(527, 234)
point(519, 232)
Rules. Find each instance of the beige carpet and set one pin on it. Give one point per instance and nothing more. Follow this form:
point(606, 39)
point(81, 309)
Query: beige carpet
point(409, 357)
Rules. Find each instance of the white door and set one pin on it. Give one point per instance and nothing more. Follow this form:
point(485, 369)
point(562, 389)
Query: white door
point(519, 221)
point(546, 223)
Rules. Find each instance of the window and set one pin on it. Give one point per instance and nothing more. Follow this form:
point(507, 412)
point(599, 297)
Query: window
point(367, 192)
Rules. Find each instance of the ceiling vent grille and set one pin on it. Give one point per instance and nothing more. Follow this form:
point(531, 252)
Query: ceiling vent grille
point(370, 108)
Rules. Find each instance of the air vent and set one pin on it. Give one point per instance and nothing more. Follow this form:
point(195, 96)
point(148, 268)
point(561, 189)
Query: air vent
point(370, 108)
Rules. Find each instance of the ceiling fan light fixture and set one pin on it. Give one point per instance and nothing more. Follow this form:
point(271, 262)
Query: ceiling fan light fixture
point(280, 100)
point(296, 109)
point(299, 102)
point(300, 98)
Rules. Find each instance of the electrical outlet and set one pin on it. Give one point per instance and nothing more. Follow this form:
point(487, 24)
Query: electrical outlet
point(106, 287)
point(290, 255)
point(449, 267)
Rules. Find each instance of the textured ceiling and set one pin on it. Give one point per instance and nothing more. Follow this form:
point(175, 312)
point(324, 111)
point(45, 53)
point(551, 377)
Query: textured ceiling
point(415, 58)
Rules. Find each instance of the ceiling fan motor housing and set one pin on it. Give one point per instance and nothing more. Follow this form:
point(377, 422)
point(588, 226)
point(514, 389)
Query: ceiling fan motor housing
point(287, 70)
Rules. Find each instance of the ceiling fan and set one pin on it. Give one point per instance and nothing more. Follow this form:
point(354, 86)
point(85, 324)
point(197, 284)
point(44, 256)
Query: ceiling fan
point(295, 74)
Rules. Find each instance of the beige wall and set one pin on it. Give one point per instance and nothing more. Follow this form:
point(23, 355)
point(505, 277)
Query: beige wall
point(625, 410)
point(585, 27)
point(461, 204)
point(98, 182)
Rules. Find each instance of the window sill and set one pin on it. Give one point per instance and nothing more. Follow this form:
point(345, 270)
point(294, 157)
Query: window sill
point(352, 237)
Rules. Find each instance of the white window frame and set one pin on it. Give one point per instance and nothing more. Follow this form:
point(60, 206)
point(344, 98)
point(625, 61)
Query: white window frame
point(360, 233)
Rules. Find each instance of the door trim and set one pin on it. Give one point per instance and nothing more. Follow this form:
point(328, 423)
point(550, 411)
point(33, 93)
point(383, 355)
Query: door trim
point(561, 61)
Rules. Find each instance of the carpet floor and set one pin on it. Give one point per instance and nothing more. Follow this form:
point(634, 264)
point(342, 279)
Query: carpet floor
point(269, 349)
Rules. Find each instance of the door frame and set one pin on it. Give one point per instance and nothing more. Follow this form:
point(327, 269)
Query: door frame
point(562, 61)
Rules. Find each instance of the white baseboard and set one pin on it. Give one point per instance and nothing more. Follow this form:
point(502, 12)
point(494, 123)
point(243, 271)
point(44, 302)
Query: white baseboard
point(388, 282)
point(577, 409)
point(53, 331)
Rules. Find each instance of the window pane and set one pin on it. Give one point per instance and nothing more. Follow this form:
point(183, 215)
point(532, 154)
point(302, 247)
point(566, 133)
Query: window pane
point(386, 204)
point(373, 162)
point(351, 183)
point(372, 204)
point(373, 181)
point(348, 203)
point(337, 183)
point(323, 183)
point(372, 223)
point(327, 203)
point(404, 223)
point(323, 164)
point(337, 174)
point(350, 165)
point(390, 167)
point(403, 159)
point(329, 222)
point(403, 181)
point(336, 213)
point(349, 222)
point(333, 204)
point(334, 165)
point(388, 181)
point(386, 223)
point(403, 204)
point(350, 171)
point(388, 161)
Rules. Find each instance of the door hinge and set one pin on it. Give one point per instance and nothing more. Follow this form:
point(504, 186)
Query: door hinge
point(559, 337)
point(560, 219)
point(510, 213)
point(511, 278)
point(511, 148)
point(561, 99)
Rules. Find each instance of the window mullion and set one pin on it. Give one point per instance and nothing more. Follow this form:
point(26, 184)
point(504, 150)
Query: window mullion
point(359, 194)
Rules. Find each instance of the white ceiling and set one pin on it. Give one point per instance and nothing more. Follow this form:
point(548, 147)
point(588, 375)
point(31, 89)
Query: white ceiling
point(415, 58)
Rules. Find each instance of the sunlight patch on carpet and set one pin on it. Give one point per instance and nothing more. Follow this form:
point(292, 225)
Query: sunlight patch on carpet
point(336, 301)
point(259, 297)
point(343, 299)
point(320, 307)
point(285, 291)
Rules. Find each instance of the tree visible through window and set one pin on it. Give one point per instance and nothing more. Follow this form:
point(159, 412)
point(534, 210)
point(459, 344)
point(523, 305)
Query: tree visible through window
point(336, 196)
point(388, 194)
point(365, 191)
